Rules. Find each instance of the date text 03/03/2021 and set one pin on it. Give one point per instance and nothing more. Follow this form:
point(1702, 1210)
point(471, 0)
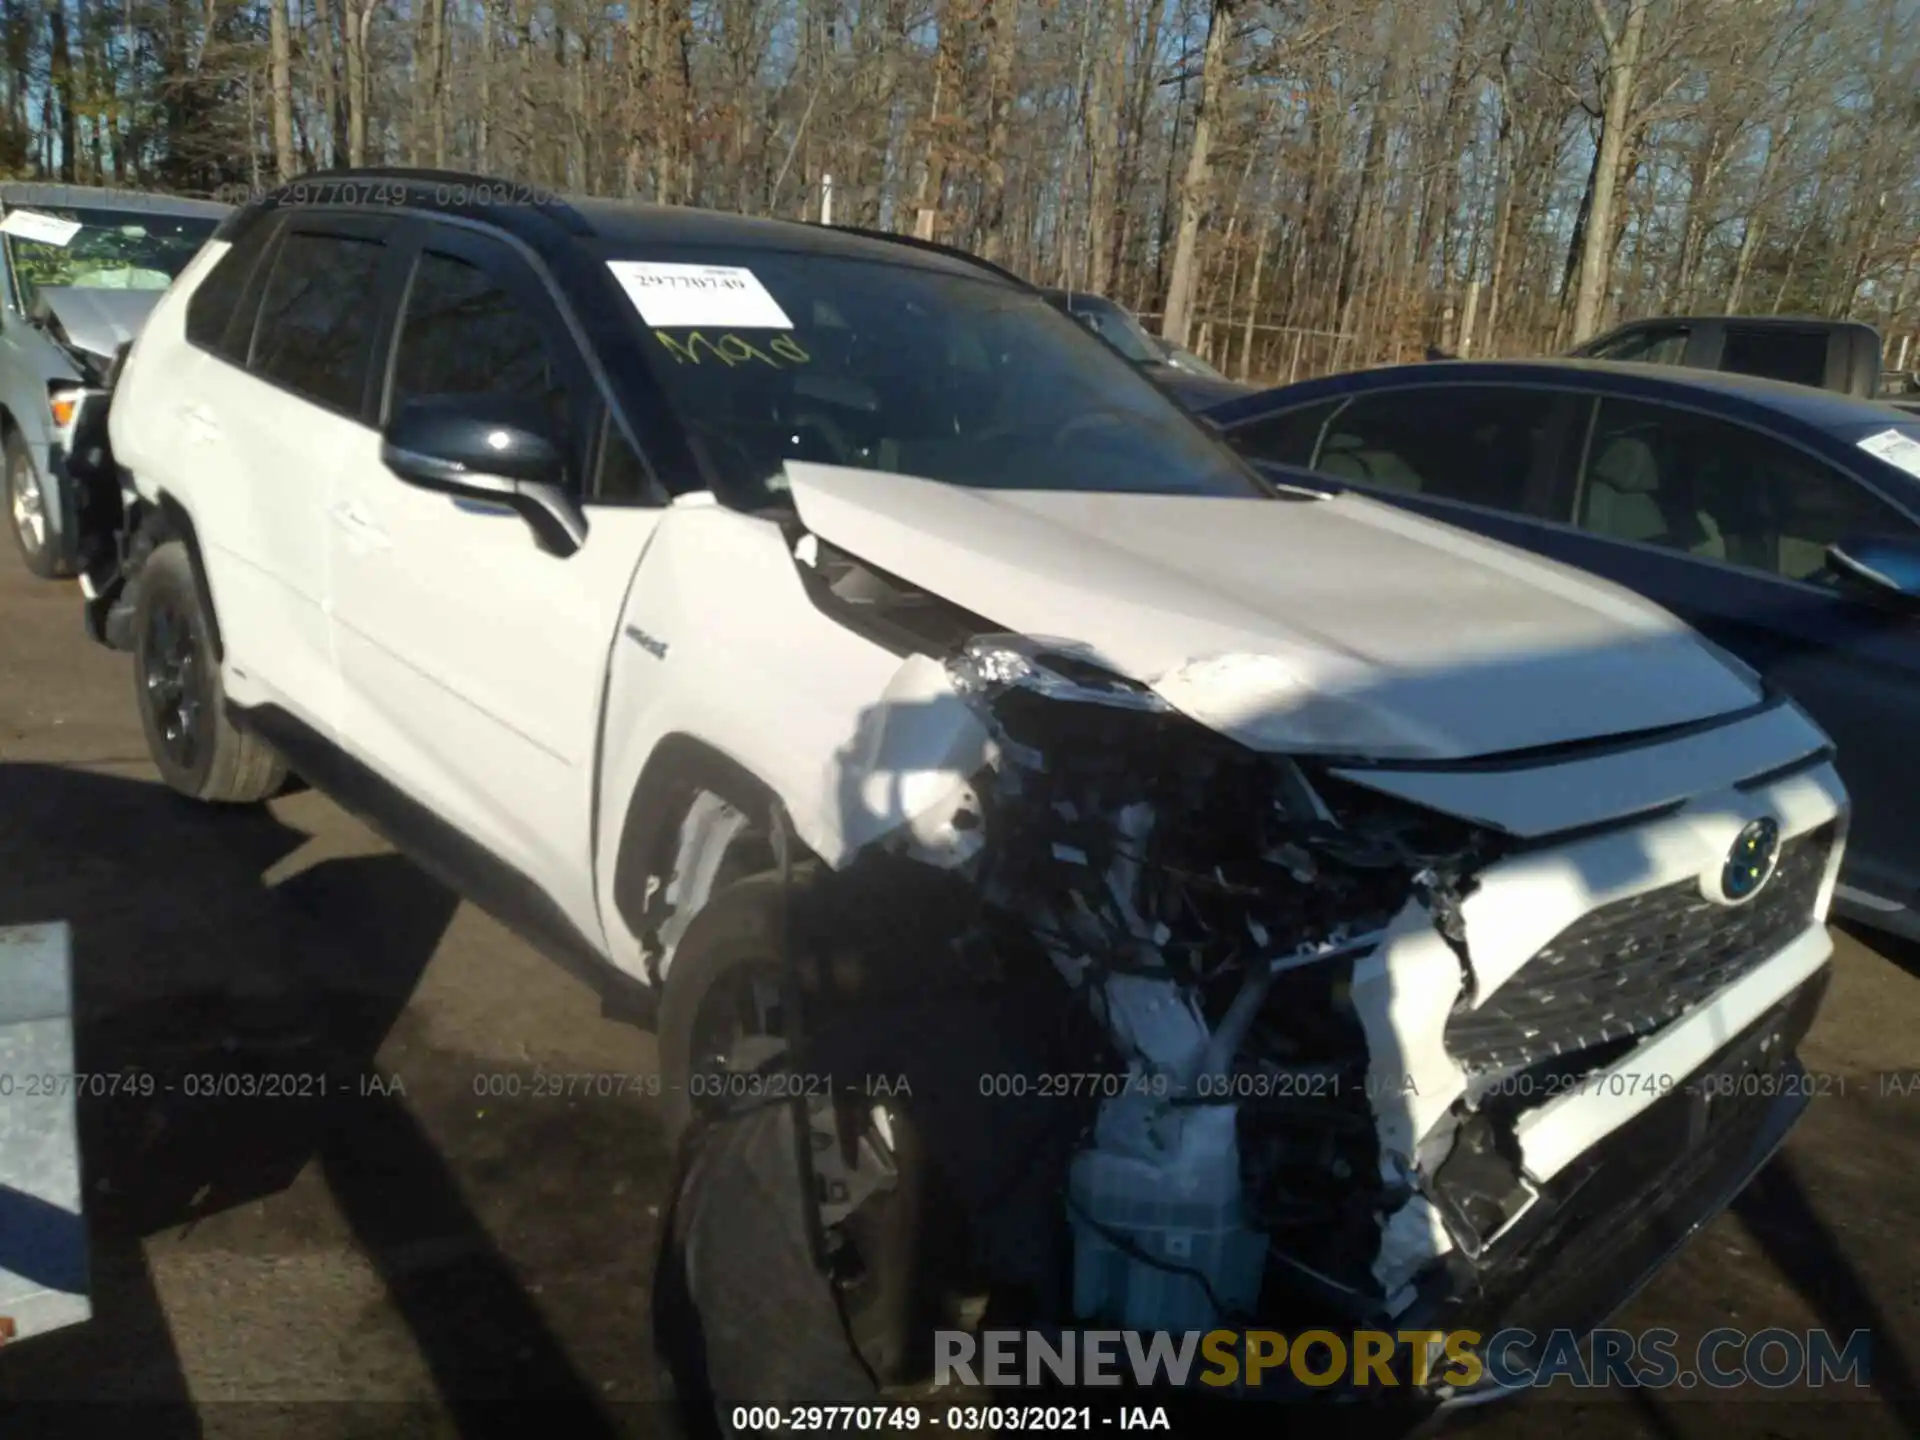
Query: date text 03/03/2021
point(957, 1419)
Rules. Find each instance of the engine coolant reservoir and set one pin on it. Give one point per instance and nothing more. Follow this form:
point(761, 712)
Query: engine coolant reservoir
point(1181, 1207)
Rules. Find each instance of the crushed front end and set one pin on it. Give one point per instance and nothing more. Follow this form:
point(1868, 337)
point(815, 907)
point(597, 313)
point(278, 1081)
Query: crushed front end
point(1408, 1045)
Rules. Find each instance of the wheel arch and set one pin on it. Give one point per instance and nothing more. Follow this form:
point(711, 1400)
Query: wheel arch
point(657, 839)
point(168, 519)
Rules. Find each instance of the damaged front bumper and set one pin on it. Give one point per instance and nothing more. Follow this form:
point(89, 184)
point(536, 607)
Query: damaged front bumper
point(1609, 1221)
point(1414, 1041)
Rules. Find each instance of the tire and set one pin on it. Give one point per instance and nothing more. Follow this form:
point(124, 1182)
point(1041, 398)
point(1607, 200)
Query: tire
point(182, 703)
point(32, 507)
point(744, 1313)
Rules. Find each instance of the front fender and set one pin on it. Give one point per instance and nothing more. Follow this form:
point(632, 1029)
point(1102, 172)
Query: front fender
point(724, 656)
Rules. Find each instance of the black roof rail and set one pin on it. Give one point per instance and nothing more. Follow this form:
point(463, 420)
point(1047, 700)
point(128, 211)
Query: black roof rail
point(952, 252)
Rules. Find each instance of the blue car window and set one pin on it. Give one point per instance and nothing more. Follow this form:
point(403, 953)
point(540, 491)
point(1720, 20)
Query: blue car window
point(1660, 475)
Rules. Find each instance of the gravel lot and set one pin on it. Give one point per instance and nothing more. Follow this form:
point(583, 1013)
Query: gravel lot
point(405, 1255)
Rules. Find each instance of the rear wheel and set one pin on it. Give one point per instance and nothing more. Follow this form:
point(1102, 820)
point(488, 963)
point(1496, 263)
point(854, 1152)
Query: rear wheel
point(197, 750)
point(31, 506)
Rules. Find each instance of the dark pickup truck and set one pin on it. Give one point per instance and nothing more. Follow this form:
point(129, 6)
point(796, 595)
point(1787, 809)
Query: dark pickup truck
point(1842, 355)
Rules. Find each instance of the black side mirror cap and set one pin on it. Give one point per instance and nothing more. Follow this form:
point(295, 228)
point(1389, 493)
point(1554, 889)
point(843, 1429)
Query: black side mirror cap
point(1887, 564)
point(492, 449)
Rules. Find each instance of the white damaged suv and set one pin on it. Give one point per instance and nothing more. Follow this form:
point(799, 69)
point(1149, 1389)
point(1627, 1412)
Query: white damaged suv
point(1168, 898)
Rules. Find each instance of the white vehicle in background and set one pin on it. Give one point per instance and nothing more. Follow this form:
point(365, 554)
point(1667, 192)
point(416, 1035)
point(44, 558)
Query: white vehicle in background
point(869, 674)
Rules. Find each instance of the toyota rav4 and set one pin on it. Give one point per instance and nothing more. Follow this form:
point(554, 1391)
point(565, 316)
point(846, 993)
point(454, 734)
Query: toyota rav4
point(1158, 897)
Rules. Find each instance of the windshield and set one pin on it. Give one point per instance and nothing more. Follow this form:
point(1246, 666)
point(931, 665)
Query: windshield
point(110, 249)
point(1898, 444)
point(894, 366)
point(1117, 326)
point(1187, 360)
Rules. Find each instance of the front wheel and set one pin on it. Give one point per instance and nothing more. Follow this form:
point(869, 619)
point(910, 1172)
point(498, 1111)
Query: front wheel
point(32, 505)
point(770, 1322)
point(197, 749)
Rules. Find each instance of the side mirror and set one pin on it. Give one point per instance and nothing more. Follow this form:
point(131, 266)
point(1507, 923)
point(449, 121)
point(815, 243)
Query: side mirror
point(490, 449)
point(1888, 564)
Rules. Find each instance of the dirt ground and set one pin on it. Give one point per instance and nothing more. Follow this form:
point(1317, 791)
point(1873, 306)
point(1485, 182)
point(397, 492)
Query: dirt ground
point(409, 1253)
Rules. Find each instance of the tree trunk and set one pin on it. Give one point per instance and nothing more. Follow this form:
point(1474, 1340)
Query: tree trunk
point(1133, 130)
point(1193, 189)
point(1103, 126)
point(1623, 57)
point(329, 145)
point(1756, 225)
point(948, 59)
point(673, 76)
point(439, 38)
point(60, 79)
point(1353, 264)
point(359, 20)
point(280, 61)
point(1003, 34)
point(1253, 303)
point(641, 19)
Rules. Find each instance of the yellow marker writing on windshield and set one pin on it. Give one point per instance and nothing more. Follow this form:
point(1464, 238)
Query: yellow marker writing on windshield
point(730, 350)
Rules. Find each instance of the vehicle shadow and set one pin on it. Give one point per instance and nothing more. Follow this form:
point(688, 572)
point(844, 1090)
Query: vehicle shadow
point(1895, 949)
point(238, 1023)
point(1781, 1216)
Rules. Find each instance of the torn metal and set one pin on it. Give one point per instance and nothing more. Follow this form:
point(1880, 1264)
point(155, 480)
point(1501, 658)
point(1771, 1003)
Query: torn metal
point(1214, 906)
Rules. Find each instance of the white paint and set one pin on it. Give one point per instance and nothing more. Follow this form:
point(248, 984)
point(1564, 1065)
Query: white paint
point(204, 431)
point(1413, 1236)
point(911, 759)
point(47, 229)
point(1536, 800)
point(710, 827)
point(1403, 992)
point(1523, 902)
point(1341, 625)
point(1895, 448)
point(1557, 1133)
point(671, 296)
point(723, 590)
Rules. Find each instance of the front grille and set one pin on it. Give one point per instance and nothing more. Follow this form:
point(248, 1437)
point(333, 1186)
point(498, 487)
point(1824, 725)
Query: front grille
point(1633, 966)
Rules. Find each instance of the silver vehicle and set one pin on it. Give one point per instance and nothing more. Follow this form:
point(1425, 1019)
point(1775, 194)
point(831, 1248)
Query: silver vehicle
point(82, 267)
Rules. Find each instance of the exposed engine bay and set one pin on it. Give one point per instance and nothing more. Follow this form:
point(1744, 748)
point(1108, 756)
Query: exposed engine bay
point(1209, 904)
point(1211, 907)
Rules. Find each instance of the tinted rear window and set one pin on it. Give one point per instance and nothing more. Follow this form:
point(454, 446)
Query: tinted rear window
point(316, 320)
point(1796, 356)
point(899, 367)
point(211, 312)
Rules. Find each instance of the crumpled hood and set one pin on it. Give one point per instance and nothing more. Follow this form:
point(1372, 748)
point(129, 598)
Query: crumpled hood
point(96, 320)
point(1338, 625)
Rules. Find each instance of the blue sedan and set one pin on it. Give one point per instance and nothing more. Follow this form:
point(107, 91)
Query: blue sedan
point(1780, 521)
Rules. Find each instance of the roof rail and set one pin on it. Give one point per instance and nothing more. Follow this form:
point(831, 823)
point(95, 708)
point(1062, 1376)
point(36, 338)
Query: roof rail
point(392, 172)
point(952, 252)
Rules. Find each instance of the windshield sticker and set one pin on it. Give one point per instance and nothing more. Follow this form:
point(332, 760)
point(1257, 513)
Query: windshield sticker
point(32, 225)
point(1896, 449)
point(676, 296)
point(730, 350)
